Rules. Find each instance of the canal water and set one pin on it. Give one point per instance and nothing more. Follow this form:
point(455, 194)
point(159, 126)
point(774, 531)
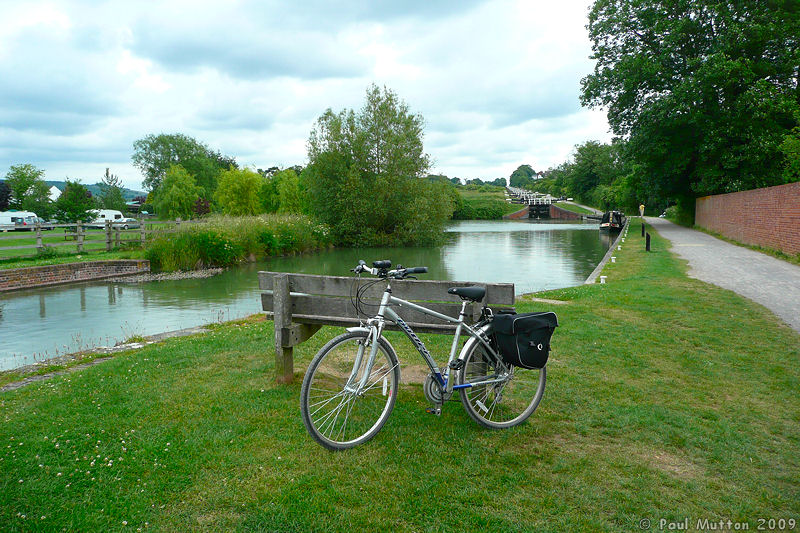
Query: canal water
point(42, 323)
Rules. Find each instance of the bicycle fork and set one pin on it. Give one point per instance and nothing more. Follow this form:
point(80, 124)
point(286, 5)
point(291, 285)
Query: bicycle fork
point(356, 385)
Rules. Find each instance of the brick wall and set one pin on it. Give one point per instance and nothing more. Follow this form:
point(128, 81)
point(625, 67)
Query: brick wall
point(768, 217)
point(563, 214)
point(23, 278)
point(522, 213)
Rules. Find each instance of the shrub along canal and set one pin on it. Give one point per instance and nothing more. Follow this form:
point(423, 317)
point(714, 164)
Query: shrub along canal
point(39, 324)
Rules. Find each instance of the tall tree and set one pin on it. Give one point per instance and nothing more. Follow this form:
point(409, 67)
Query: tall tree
point(74, 204)
point(238, 192)
point(5, 196)
point(111, 192)
point(177, 195)
point(704, 91)
point(522, 177)
point(287, 185)
point(28, 189)
point(154, 154)
point(364, 175)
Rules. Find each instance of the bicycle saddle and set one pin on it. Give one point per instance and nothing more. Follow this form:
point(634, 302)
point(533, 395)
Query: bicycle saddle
point(475, 294)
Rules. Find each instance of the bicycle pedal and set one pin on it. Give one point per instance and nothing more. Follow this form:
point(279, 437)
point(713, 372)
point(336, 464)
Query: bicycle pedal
point(434, 411)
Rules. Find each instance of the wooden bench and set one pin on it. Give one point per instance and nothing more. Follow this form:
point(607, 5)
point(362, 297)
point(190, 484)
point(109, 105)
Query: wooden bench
point(300, 304)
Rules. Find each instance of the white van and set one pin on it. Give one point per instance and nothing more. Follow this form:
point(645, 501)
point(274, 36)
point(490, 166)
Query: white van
point(101, 215)
point(18, 220)
point(7, 220)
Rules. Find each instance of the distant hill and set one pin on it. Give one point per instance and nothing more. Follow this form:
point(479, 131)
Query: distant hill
point(95, 189)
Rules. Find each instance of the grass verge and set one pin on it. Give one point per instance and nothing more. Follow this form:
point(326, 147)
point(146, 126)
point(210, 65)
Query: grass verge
point(666, 398)
point(487, 204)
point(574, 208)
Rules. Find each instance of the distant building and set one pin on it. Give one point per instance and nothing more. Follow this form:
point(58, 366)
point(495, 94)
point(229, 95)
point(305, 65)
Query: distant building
point(54, 193)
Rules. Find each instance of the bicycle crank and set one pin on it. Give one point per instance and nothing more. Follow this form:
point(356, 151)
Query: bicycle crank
point(433, 392)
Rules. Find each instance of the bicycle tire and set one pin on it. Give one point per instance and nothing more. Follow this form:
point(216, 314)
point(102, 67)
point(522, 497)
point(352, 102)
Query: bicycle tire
point(333, 416)
point(504, 405)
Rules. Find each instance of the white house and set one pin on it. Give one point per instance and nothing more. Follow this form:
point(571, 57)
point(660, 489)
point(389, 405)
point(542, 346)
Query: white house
point(54, 193)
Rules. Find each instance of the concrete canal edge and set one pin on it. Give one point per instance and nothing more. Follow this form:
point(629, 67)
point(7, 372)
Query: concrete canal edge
point(613, 248)
point(42, 276)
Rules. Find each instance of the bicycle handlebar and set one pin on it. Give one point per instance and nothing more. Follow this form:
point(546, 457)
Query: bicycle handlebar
point(381, 269)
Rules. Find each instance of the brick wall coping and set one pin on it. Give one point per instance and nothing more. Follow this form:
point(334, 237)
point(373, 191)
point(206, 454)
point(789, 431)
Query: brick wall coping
point(43, 276)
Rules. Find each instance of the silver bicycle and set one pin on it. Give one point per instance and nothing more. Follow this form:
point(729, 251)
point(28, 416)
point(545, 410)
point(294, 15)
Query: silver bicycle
point(351, 385)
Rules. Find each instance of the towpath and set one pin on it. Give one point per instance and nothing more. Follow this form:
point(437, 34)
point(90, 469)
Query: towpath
point(773, 283)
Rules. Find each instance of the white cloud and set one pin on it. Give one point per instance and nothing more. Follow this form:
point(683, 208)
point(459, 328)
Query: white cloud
point(497, 81)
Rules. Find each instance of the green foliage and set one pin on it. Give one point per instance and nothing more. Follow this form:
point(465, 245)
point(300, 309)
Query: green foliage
point(522, 177)
point(364, 175)
point(74, 204)
point(704, 91)
point(28, 189)
point(224, 241)
point(238, 192)
point(790, 147)
point(111, 193)
point(288, 188)
point(47, 252)
point(177, 194)
point(155, 154)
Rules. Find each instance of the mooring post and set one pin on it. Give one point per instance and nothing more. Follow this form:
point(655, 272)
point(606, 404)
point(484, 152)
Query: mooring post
point(647, 242)
point(282, 309)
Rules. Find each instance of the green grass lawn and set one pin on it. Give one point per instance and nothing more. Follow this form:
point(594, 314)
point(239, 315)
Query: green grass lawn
point(574, 208)
point(94, 241)
point(666, 398)
point(485, 205)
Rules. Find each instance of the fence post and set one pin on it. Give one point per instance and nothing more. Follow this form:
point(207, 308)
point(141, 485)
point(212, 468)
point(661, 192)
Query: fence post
point(39, 245)
point(647, 243)
point(141, 227)
point(79, 231)
point(282, 310)
point(116, 237)
point(108, 235)
point(642, 227)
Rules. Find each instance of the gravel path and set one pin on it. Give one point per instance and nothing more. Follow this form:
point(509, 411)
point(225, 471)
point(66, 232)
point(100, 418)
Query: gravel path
point(773, 283)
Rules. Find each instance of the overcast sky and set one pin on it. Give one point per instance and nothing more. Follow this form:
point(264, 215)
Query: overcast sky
point(496, 81)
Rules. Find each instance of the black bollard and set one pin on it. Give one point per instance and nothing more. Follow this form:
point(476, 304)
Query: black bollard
point(647, 243)
point(642, 228)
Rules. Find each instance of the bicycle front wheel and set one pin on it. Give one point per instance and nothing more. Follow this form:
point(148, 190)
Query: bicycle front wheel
point(505, 403)
point(335, 412)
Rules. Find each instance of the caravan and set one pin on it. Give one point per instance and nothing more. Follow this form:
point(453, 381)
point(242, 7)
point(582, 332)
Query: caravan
point(18, 220)
point(102, 215)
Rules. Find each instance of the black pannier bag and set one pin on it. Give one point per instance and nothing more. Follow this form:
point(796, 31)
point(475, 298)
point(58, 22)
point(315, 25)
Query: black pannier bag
point(524, 340)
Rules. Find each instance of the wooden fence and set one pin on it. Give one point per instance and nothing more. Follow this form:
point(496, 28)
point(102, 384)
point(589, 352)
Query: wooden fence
point(86, 237)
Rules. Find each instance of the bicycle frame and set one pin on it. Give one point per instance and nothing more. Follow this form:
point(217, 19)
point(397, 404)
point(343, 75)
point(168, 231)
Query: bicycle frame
point(376, 325)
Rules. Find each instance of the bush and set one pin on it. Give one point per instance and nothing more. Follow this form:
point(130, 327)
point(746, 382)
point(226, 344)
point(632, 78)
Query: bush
point(224, 241)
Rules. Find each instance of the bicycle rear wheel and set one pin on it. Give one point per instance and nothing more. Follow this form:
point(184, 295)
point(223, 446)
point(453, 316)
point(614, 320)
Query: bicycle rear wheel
point(504, 404)
point(333, 412)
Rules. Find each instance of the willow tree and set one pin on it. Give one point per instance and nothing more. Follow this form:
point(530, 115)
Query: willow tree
point(365, 175)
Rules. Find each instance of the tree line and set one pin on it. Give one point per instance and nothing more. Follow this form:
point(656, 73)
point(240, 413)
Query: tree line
point(24, 189)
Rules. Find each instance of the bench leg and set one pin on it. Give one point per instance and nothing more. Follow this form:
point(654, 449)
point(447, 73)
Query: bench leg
point(284, 364)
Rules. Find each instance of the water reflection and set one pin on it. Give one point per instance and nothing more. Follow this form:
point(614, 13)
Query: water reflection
point(52, 321)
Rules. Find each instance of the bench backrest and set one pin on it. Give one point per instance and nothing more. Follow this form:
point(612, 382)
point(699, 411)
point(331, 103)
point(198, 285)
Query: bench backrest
point(314, 299)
